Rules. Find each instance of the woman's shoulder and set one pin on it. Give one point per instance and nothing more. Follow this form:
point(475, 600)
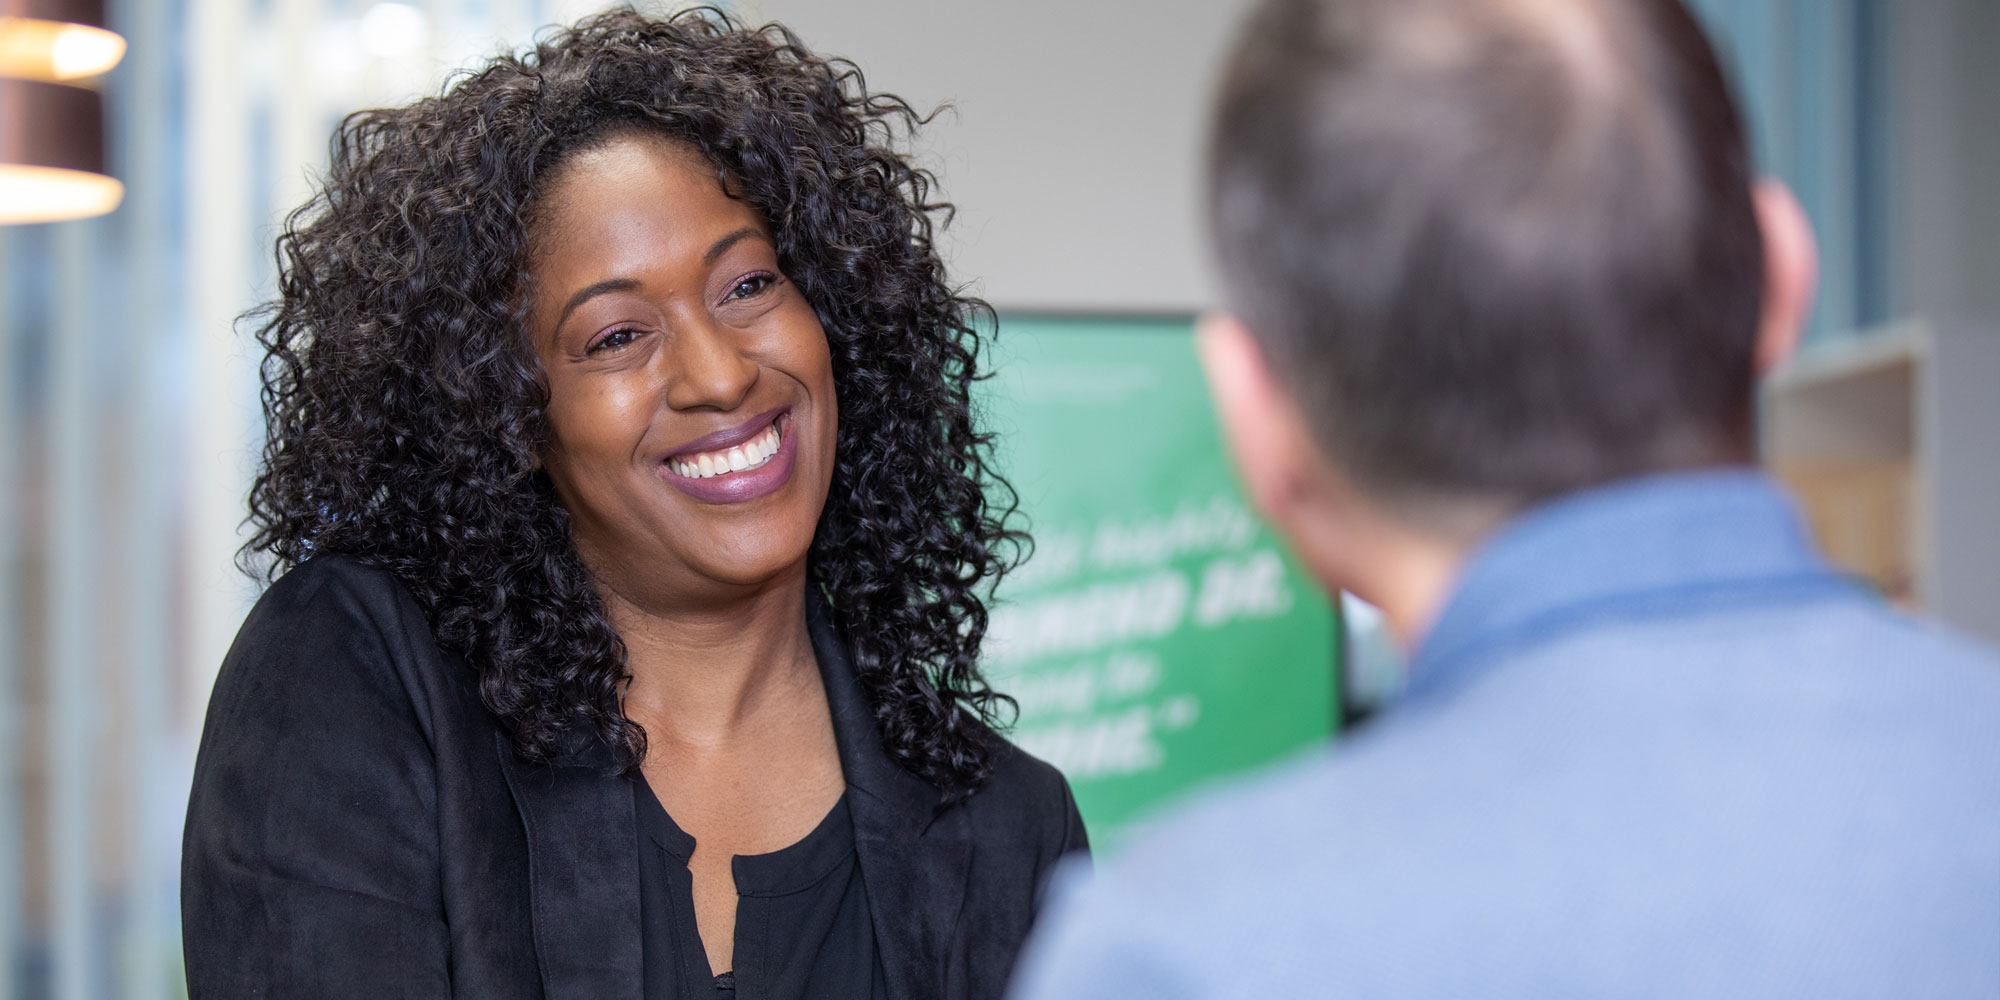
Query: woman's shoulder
point(331, 591)
point(340, 604)
point(1017, 772)
point(1030, 794)
point(331, 632)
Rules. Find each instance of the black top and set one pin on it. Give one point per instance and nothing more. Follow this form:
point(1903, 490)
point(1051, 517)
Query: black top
point(802, 921)
point(360, 827)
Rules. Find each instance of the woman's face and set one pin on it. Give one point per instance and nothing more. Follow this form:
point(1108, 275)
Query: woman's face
point(691, 401)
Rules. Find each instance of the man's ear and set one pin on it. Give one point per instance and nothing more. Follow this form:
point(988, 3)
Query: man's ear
point(1791, 273)
point(1259, 421)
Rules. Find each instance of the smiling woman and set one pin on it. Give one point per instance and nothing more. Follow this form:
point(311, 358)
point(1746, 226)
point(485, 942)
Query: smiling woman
point(631, 530)
point(682, 353)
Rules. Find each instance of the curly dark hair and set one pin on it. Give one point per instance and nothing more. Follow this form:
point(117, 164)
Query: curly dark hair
point(405, 405)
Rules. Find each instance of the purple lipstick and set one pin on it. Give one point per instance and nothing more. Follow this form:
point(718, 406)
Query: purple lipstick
point(735, 465)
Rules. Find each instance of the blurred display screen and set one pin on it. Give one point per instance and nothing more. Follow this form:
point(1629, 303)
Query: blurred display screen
point(1160, 636)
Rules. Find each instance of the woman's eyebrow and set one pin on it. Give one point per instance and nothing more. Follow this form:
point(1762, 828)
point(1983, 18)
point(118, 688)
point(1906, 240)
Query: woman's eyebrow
point(722, 245)
point(592, 291)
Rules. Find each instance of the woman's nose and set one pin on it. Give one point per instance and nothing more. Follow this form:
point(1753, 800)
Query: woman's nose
point(707, 369)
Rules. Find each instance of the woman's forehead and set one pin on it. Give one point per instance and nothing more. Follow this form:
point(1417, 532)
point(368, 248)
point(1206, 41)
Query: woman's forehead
point(634, 194)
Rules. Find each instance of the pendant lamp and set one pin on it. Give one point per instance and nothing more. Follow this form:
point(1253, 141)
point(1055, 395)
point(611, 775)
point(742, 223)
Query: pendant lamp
point(52, 53)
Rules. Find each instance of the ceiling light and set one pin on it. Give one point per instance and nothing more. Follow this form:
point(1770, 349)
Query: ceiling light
point(51, 115)
point(51, 194)
point(52, 153)
point(32, 48)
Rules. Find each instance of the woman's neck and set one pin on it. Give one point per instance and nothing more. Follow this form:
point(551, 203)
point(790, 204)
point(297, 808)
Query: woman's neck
point(701, 675)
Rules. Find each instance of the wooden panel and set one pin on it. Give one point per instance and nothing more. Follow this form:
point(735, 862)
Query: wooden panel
point(1861, 512)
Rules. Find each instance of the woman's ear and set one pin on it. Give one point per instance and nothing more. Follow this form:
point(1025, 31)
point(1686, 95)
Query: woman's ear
point(1791, 273)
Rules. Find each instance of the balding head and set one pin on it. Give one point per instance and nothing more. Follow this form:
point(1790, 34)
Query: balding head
point(1497, 249)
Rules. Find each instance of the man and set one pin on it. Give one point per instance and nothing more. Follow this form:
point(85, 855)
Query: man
point(1501, 283)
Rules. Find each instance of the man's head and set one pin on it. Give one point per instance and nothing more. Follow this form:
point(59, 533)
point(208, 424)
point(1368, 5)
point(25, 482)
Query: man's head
point(1487, 252)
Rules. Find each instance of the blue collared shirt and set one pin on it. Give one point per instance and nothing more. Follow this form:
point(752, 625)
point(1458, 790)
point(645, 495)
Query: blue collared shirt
point(1653, 746)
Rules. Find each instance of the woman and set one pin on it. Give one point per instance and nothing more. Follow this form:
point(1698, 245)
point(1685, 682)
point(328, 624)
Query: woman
point(621, 458)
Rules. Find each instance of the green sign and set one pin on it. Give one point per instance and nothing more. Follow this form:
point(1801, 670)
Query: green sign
point(1159, 637)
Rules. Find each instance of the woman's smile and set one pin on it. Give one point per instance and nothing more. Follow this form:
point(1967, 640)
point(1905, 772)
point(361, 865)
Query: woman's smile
point(735, 465)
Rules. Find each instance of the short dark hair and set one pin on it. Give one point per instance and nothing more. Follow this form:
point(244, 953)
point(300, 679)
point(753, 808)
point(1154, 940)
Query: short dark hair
point(1499, 250)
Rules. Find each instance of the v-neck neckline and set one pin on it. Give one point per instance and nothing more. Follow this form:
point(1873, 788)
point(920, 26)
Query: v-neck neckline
point(796, 867)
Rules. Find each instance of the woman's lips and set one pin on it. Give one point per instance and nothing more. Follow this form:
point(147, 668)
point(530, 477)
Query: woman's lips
point(740, 464)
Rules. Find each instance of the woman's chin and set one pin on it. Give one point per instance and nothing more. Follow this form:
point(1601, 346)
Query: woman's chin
point(739, 572)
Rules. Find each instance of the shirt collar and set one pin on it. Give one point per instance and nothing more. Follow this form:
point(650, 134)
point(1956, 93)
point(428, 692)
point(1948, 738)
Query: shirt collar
point(1678, 537)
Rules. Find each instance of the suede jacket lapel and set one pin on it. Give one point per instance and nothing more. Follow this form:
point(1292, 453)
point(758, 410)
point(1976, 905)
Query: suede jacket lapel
point(913, 859)
point(583, 871)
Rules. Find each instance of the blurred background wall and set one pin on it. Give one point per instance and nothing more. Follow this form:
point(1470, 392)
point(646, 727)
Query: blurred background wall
point(128, 410)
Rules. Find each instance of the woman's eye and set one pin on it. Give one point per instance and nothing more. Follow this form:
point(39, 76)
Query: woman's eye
point(614, 340)
point(751, 285)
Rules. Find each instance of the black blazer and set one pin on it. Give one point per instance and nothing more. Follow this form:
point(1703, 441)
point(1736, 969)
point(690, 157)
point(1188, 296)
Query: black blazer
point(359, 827)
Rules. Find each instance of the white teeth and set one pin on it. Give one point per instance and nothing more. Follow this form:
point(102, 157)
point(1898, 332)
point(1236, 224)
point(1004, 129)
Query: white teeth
point(748, 455)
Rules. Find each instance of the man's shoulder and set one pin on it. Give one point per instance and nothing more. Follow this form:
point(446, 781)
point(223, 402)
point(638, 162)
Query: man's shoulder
point(1244, 853)
point(1605, 793)
point(1792, 661)
point(1205, 891)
